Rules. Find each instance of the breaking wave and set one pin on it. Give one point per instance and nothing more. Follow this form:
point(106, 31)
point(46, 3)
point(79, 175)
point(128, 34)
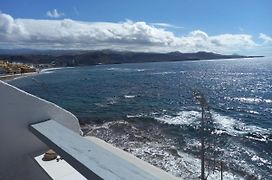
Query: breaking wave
point(182, 118)
point(107, 102)
point(50, 70)
point(129, 96)
point(223, 124)
point(249, 100)
point(125, 69)
point(151, 144)
point(164, 73)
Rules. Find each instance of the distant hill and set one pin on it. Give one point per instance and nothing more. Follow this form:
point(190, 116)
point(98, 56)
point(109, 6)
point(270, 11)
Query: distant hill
point(78, 58)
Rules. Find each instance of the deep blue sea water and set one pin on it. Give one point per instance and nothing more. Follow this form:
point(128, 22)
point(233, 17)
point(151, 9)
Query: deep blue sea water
point(148, 109)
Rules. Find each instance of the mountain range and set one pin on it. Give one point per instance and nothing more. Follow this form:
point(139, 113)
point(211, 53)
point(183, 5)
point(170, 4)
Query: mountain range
point(94, 57)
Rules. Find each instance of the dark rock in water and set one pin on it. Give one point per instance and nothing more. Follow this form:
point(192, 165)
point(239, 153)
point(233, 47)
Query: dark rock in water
point(173, 151)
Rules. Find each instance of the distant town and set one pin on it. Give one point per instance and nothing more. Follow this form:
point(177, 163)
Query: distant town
point(13, 68)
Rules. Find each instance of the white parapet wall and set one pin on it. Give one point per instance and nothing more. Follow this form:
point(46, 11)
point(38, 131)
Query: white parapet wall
point(18, 145)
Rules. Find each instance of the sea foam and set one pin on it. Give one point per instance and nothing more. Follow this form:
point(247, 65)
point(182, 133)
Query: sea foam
point(223, 124)
point(249, 100)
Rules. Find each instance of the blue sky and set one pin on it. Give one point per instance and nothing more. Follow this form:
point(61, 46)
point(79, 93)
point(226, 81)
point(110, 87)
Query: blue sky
point(180, 17)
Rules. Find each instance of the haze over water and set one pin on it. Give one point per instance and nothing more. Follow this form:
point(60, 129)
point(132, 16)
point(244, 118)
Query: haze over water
point(148, 109)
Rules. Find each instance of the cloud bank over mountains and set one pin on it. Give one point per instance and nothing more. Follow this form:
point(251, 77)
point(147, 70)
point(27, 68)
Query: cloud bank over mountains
point(128, 35)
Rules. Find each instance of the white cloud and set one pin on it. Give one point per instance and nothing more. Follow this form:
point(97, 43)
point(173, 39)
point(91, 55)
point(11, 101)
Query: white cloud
point(265, 38)
point(128, 35)
point(166, 25)
point(54, 14)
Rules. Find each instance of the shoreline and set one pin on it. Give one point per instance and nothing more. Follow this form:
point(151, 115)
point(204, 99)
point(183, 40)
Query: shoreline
point(9, 77)
point(54, 68)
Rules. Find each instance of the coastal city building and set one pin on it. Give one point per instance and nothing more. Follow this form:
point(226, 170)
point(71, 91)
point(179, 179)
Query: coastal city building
point(15, 68)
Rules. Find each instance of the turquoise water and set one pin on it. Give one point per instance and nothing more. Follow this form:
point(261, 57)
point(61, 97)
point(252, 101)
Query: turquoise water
point(148, 109)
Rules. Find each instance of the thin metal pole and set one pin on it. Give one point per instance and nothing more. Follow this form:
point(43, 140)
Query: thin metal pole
point(221, 164)
point(202, 146)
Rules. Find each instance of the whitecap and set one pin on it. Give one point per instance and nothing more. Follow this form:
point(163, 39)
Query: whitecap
point(134, 116)
point(129, 96)
point(48, 72)
point(253, 112)
point(125, 69)
point(119, 69)
point(234, 127)
point(224, 124)
point(164, 73)
point(249, 100)
point(101, 105)
point(182, 118)
point(112, 100)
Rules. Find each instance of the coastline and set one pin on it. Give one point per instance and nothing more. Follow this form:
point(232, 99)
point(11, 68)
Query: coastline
point(9, 77)
point(54, 68)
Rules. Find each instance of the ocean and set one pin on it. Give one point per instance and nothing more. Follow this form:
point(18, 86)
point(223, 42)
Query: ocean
point(148, 110)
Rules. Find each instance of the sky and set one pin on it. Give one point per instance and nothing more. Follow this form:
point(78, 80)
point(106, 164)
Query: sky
point(228, 27)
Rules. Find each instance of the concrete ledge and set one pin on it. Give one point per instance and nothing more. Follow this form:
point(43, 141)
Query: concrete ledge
point(92, 157)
